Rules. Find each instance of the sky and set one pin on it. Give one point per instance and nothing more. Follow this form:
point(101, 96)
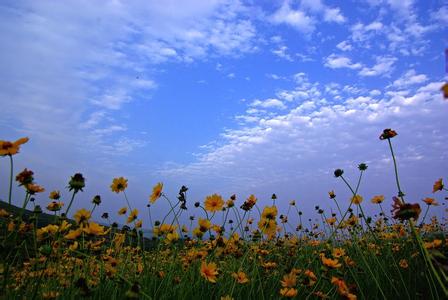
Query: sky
point(225, 96)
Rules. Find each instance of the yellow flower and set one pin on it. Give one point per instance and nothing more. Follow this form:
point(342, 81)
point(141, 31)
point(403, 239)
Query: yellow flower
point(227, 297)
point(73, 234)
point(289, 280)
point(82, 216)
point(11, 148)
point(288, 292)
point(377, 199)
point(171, 237)
point(338, 252)
point(269, 212)
point(138, 224)
point(33, 188)
point(343, 289)
point(214, 203)
point(240, 277)
point(331, 263)
point(55, 206)
point(249, 203)
point(331, 221)
point(156, 192)
point(209, 271)
point(438, 185)
point(403, 263)
point(54, 195)
point(430, 201)
point(4, 213)
point(357, 199)
point(94, 229)
point(132, 216)
point(119, 184)
point(122, 211)
point(204, 224)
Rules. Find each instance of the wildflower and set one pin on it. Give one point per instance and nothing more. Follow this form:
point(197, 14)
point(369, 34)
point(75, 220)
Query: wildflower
point(331, 263)
point(55, 206)
point(388, 134)
point(226, 297)
point(331, 194)
point(119, 184)
point(25, 177)
point(288, 283)
point(204, 224)
point(230, 203)
point(209, 271)
point(434, 244)
point(438, 185)
point(94, 229)
point(405, 211)
point(377, 199)
point(4, 213)
point(338, 172)
point(214, 203)
point(11, 148)
point(55, 195)
point(338, 252)
point(269, 212)
point(249, 203)
point(331, 221)
point(444, 90)
point(73, 234)
point(343, 289)
point(156, 192)
point(132, 216)
point(403, 263)
point(240, 277)
point(76, 183)
point(357, 199)
point(171, 237)
point(122, 211)
point(362, 167)
point(138, 224)
point(96, 200)
point(292, 203)
point(33, 188)
point(82, 216)
point(430, 201)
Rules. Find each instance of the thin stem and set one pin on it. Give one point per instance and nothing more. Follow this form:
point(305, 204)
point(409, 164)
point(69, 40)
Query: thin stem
point(424, 217)
point(10, 179)
point(400, 192)
point(70, 204)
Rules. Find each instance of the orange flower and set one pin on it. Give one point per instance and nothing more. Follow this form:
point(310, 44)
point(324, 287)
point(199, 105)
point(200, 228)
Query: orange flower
point(438, 186)
point(331, 263)
point(209, 271)
point(357, 199)
point(288, 292)
point(11, 148)
point(82, 216)
point(240, 277)
point(343, 289)
point(33, 188)
point(403, 263)
point(405, 211)
point(430, 201)
point(214, 203)
point(249, 203)
point(377, 199)
point(156, 192)
point(388, 134)
point(132, 216)
point(122, 211)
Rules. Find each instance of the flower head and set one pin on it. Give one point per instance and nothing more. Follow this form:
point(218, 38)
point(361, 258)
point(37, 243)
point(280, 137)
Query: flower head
point(338, 172)
point(249, 203)
point(405, 211)
point(25, 177)
point(156, 192)
point(377, 199)
point(240, 277)
point(209, 271)
point(55, 206)
point(82, 216)
point(132, 216)
point(438, 185)
point(214, 203)
point(331, 194)
point(357, 199)
point(119, 184)
point(76, 183)
point(431, 201)
point(11, 148)
point(388, 134)
point(122, 211)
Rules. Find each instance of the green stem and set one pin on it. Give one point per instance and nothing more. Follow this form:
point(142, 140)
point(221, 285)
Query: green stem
point(10, 179)
point(70, 204)
point(400, 192)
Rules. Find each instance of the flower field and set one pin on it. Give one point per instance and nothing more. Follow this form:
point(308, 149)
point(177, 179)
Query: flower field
point(236, 248)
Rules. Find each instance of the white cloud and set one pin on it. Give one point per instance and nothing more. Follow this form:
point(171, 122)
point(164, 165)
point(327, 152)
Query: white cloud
point(344, 46)
point(338, 61)
point(410, 78)
point(294, 18)
point(268, 103)
point(281, 52)
point(383, 67)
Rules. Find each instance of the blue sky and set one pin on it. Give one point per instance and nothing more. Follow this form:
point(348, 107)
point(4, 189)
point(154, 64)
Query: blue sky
point(225, 96)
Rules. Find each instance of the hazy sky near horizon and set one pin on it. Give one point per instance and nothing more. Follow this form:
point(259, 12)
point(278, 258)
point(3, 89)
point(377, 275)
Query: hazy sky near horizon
point(225, 96)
